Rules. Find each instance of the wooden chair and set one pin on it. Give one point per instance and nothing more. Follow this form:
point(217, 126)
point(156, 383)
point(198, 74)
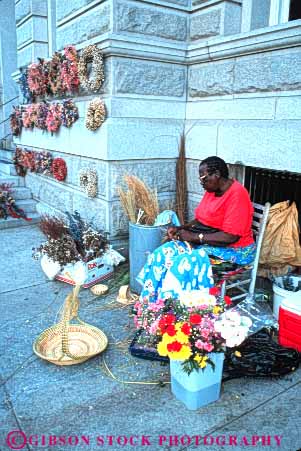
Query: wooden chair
point(243, 278)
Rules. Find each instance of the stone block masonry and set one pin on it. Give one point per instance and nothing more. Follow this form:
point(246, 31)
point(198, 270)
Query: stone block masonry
point(170, 65)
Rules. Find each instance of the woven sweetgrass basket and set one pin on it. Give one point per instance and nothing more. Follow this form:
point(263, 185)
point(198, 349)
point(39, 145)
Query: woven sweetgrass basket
point(68, 343)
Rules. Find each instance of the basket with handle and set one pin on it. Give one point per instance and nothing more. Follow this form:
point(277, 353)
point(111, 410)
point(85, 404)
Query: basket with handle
point(71, 340)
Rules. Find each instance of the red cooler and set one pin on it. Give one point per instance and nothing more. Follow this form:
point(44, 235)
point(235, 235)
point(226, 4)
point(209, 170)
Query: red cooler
point(290, 322)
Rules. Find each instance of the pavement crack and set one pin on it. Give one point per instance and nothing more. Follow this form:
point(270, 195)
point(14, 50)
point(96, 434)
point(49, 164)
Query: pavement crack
point(248, 412)
point(27, 286)
point(22, 366)
point(12, 409)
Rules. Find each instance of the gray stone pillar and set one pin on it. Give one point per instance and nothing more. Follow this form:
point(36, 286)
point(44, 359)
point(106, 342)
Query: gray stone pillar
point(214, 18)
point(32, 30)
point(8, 63)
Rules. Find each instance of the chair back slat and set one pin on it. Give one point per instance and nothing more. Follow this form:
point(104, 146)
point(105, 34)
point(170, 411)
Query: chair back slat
point(255, 224)
point(257, 215)
point(259, 235)
point(259, 206)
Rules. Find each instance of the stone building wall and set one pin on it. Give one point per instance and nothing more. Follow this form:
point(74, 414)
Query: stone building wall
point(8, 64)
point(244, 101)
point(170, 65)
point(144, 45)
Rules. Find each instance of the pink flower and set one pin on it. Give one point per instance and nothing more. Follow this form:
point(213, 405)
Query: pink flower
point(208, 347)
point(205, 333)
point(199, 344)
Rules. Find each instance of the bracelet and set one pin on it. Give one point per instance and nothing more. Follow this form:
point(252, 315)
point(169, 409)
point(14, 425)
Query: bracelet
point(201, 238)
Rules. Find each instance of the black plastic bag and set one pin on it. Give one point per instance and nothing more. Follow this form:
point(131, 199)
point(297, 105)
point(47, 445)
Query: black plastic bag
point(259, 356)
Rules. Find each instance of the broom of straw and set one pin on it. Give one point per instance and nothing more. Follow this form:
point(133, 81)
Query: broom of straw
point(181, 185)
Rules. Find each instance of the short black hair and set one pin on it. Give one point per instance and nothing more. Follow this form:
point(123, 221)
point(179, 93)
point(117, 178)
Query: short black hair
point(216, 164)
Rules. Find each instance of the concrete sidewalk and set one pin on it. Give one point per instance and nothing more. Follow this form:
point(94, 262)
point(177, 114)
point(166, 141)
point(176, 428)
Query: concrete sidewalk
point(88, 410)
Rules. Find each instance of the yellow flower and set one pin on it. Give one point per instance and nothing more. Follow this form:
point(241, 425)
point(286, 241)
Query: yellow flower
point(202, 360)
point(182, 338)
point(162, 349)
point(183, 354)
point(216, 309)
point(178, 326)
point(167, 339)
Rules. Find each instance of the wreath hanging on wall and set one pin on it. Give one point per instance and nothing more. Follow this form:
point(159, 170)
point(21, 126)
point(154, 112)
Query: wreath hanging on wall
point(29, 116)
point(43, 162)
point(41, 116)
point(18, 162)
point(16, 123)
point(69, 113)
point(59, 169)
point(96, 114)
point(23, 82)
point(91, 82)
point(53, 119)
point(88, 179)
point(54, 75)
point(69, 70)
point(37, 78)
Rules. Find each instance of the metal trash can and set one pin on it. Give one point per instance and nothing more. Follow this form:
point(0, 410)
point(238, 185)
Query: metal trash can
point(143, 240)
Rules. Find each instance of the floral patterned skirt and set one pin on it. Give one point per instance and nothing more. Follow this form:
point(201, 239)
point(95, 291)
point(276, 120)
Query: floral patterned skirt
point(175, 267)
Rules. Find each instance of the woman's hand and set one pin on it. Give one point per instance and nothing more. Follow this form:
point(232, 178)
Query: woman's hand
point(172, 232)
point(186, 235)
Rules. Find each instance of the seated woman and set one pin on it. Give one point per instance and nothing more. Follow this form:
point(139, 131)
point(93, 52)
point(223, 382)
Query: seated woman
point(221, 228)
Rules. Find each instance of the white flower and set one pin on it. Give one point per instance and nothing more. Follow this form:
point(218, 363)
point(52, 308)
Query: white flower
point(195, 298)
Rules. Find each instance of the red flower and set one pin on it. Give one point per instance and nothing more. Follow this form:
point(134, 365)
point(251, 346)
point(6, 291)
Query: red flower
point(162, 324)
point(186, 329)
point(227, 300)
point(170, 318)
point(170, 330)
point(175, 346)
point(215, 291)
point(195, 318)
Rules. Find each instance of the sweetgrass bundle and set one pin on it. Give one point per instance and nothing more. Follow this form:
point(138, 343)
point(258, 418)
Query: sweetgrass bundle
point(140, 203)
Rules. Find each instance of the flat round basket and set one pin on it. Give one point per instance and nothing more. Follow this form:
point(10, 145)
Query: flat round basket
point(84, 342)
point(99, 289)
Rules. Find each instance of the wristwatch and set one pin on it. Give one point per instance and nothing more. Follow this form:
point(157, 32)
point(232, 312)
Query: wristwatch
point(201, 237)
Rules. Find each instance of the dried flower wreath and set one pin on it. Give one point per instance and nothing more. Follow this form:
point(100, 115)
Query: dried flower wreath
point(37, 78)
point(69, 113)
point(43, 162)
point(53, 119)
point(59, 169)
point(91, 54)
point(8, 204)
point(41, 116)
point(96, 114)
point(28, 160)
point(88, 181)
point(29, 116)
point(16, 123)
point(55, 86)
point(69, 70)
point(18, 162)
point(24, 88)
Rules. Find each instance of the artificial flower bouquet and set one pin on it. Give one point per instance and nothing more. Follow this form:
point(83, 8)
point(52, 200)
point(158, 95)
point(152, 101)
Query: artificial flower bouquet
point(246, 318)
point(184, 329)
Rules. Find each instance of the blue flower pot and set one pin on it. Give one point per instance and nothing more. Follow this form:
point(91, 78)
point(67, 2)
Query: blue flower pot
point(200, 387)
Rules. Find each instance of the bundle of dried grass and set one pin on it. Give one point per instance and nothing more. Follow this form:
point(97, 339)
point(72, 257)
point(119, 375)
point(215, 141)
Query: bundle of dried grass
point(139, 198)
point(127, 199)
point(53, 227)
point(181, 182)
